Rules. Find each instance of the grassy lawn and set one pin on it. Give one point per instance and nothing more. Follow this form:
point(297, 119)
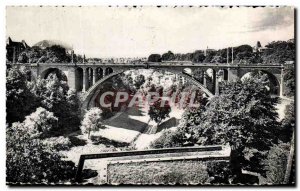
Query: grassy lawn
point(171, 172)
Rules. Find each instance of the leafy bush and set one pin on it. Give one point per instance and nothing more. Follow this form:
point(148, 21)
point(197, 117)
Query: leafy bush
point(275, 164)
point(40, 123)
point(30, 160)
point(108, 142)
point(157, 112)
point(92, 121)
point(58, 143)
point(220, 171)
point(169, 139)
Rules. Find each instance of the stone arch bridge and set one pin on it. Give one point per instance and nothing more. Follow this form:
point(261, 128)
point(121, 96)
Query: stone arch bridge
point(87, 77)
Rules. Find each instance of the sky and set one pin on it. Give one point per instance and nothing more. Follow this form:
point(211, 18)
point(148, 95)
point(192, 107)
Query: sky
point(138, 32)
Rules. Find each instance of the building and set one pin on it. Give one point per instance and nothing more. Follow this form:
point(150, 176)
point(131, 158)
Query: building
point(13, 49)
point(259, 48)
point(208, 50)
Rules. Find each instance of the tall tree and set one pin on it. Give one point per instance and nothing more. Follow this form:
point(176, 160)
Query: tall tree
point(154, 58)
point(168, 56)
point(244, 116)
point(19, 99)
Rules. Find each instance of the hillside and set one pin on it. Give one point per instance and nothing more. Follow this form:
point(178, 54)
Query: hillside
point(48, 43)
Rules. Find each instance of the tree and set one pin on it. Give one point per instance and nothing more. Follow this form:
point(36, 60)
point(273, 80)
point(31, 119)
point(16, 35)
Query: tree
point(54, 95)
point(243, 53)
point(73, 109)
point(198, 56)
point(289, 81)
point(22, 58)
point(19, 99)
point(288, 123)
point(154, 58)
point(168, 56)
point(40, 123)
point(92, 121)
point(209, 56)
point(278, 52)
point(243, 115)
point(289, 130)
point(139, 81)
point(157, 112)
point(31, 160)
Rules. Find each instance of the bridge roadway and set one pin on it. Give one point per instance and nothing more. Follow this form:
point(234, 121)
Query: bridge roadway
point(161, 64)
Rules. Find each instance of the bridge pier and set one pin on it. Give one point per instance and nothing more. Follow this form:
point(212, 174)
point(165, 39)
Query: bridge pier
point(71, 78)
point(217, 85)
point(94, 76)
point(204, 78)
point(85, 80)
point(281, 83)
point(214, 80)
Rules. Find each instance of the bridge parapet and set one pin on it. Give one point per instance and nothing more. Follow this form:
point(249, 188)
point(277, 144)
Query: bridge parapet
point(215, 152)
point(159, 64)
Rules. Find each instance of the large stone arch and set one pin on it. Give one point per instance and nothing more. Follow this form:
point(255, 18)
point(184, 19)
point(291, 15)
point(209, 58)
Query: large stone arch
point(59, 73)
point(92, 91)
point(273, 78)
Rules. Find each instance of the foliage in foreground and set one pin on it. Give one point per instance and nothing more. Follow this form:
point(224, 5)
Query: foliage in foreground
point(32, 159)
point(276, 162)
point(243, 115)
point(53, 94)
point(19, 99)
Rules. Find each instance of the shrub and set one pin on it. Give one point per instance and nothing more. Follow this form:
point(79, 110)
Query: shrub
point(30, 160)
point(275, 164)
point(221, 172)
point(92, 121)
point(40, 123)
point(169, 139)
point(58, 143)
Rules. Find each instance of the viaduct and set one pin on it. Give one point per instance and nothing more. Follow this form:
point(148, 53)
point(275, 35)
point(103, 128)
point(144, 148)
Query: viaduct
point(88, 77)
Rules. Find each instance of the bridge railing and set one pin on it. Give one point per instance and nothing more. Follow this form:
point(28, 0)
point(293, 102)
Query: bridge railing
point(149, 152)
point(161, 64)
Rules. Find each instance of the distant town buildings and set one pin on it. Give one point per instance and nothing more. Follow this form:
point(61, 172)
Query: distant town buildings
point(208, 50)
point(118, 60)
point(259, 48)
point(13, 49)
